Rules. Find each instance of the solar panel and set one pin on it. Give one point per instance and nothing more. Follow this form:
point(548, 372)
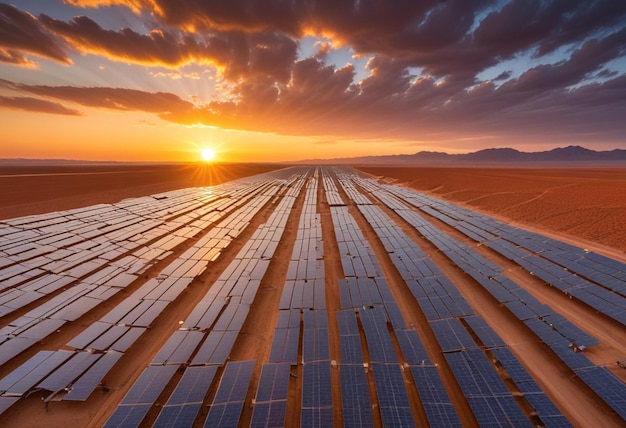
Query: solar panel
point(412, 348)
point(316, 417)
point(180, 415)
point(6, 402)
point(485, 333)
point(452, 335)
point(127, 415)
point(379, 341)
point(274, 382)
point(434, 398)
point(316, 390)
point(108, 337)
point(216, 348)
point(234, 383)
point(82, 388)
point(178, 349)
point(88, 335)
point(346, 320)
point(610, 388)
point(393, 400)
point(30, 373)
point(193, 385)
point(70, 370)
point(288, 318)
point(315, 344)
point(224, 415)
point(149, 385)
point(547, 411)
point(355, 398)
point(351, 350)
point(269, 414)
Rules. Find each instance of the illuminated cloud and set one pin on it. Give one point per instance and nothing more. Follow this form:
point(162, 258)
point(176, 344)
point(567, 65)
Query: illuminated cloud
point(237, 53)
point(554, 67)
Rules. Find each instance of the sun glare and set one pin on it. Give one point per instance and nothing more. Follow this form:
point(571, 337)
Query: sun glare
point(208, 154)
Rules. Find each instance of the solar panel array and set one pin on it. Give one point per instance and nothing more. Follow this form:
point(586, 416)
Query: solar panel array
point(563, 337)
point(57, 268)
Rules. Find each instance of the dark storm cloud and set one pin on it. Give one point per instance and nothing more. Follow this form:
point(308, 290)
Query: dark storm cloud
point(21, 34)
point(36, 105)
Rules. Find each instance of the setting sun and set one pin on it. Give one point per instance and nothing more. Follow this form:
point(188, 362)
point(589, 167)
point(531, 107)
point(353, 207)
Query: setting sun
point(208, 154)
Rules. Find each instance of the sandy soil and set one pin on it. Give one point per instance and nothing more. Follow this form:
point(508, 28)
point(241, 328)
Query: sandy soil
point(587, 204)
point(27, 190)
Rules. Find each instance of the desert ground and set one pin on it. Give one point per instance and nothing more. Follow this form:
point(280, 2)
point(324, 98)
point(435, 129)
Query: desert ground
point(37, 189)
point(547, 192)
point(579, 203)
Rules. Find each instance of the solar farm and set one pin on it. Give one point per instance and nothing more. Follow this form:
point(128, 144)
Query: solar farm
point(309, 297)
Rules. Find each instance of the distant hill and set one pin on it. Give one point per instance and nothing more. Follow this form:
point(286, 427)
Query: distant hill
point(574, 155)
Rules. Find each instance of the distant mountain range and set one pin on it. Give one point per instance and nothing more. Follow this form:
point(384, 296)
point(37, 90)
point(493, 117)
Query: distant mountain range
point(574, 155)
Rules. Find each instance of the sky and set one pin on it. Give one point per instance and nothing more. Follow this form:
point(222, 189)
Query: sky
point(278, 80)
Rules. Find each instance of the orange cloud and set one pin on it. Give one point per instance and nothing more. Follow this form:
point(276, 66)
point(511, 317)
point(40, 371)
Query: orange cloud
point(237, 53)
point(36, 105)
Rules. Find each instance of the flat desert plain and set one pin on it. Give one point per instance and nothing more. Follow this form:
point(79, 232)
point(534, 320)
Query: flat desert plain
point(38, 189)
point(311, 221)
point(587, 203)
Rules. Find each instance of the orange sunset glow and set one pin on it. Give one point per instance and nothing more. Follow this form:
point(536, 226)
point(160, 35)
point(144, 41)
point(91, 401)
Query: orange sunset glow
point(312, 213)
point(139, 80)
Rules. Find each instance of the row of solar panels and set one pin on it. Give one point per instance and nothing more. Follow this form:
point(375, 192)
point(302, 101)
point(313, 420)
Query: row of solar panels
point(551, 327)
point(125, 323)
point(592, 278)
point(500, 409)
point(206, 338)
point(210, 341)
